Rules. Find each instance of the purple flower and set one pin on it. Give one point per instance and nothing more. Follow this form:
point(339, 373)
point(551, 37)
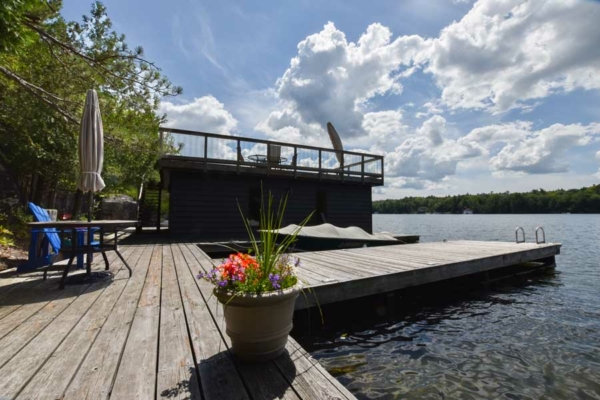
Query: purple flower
point(222, 283)
point(274, 278)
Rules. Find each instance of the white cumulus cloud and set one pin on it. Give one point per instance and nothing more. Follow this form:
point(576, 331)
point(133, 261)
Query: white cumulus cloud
point(426, 158)
point(543, 151)
point(504, 53)
point(205, 114)
point(331, 79)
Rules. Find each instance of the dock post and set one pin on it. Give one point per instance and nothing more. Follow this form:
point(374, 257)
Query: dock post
point(160, 185)
point(319, 164)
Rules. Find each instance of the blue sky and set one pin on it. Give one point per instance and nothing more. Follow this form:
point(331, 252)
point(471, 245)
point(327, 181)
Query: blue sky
point(459, 96)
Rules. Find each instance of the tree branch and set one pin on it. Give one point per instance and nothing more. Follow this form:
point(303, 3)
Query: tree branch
point(96, 63)
point(38, 91)
point(31, 25)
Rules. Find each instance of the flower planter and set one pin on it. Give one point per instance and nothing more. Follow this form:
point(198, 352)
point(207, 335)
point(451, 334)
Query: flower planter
point(259, 325)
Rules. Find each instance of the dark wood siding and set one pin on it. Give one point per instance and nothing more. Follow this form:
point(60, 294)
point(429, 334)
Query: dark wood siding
point(205, 205)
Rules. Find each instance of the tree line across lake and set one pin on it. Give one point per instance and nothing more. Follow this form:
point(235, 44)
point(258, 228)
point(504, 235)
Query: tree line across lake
point(584, 200)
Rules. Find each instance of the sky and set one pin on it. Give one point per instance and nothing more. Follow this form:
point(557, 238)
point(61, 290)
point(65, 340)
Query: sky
point(459, 96)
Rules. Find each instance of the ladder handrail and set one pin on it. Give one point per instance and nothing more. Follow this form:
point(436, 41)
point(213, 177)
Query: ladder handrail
point(543, 235)
point(517, 234)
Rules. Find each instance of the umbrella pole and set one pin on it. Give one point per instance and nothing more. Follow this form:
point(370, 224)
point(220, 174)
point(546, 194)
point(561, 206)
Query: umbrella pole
point(90, 204)
point(89, 234)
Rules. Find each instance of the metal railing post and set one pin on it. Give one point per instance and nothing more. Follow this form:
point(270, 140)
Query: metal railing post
point(382, 171)
point(362, 168)
point(342, 166)
point(238, 156)
point(205, 152)
point(268, 159)
point(295, 161)
point(319, 164)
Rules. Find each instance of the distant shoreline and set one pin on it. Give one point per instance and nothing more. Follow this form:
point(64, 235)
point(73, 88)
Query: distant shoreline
point(574, 201)
point(528, 213)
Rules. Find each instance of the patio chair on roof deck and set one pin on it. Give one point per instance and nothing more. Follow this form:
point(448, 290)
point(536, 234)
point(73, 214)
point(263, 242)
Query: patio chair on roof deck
point(274, 154)
point(51, 238)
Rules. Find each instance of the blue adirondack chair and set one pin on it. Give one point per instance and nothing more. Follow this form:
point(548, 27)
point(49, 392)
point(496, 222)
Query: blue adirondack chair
point(50, 239)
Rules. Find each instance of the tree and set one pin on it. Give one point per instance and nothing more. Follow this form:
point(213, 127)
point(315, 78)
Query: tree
point(46, 66)
point(585, 200)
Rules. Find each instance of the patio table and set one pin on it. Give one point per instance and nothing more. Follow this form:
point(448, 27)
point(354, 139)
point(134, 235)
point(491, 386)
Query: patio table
point(263, 158)
point(76, 249)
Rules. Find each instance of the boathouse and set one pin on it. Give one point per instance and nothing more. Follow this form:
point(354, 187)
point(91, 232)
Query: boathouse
point(210, 174)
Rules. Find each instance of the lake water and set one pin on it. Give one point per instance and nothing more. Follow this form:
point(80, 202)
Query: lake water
point(528, 338)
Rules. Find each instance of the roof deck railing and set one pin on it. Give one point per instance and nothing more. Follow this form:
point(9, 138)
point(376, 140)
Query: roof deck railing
point(243, 154)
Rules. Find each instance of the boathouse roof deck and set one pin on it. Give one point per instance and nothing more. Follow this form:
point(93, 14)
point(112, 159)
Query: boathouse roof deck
point(241, 155)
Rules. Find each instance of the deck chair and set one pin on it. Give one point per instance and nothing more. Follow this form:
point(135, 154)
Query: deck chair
point(274, 154)
point(38, 242)
point(50, 239)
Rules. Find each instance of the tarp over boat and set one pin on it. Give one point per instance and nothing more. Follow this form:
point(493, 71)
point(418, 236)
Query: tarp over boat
point(328, 231)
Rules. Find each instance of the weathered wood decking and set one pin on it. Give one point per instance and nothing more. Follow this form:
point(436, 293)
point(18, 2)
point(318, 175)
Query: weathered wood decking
point(158, 334)
point(339, 275)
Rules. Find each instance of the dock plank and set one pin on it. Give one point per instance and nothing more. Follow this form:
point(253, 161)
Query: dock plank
point(21, 368)
point(39, 297)
point(37, 292)
point(95, 377)
point(177, 376)
point(35, 299)
point(136, 375)
point(360, 263)
point(311, 380)
point(22, 334)
point(213, 362)
point(53, 378)
point(11, 286)
point(324, 267)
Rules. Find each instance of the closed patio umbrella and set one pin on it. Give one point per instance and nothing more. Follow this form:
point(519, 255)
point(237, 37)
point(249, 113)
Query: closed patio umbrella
point(91, 148)
point(91, 153)
point(336, 142)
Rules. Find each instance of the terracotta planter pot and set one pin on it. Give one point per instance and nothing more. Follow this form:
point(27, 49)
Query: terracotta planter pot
point(259, 325)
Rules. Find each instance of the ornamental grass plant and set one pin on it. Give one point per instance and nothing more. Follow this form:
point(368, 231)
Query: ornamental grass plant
point(266, 266)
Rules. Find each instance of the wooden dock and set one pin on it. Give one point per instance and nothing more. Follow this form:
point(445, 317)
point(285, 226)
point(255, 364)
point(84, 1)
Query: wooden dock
point(339, 275)
point(158, 334)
